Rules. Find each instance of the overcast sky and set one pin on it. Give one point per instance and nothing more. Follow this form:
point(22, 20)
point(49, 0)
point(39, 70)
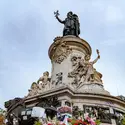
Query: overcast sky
point(28, 27)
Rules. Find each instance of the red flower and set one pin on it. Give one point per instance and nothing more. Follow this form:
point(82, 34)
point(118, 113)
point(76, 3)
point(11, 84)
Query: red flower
point(84, 123)
point(49, 124)
point(69, 120)
point(75, 124)
point(63, 124)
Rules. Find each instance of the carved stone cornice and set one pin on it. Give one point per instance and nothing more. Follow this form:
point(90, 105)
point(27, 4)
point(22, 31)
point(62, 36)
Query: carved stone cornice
point(65, 90)
point(71, 42)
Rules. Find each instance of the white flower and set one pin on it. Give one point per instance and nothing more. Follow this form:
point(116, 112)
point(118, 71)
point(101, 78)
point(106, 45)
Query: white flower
point(86, 115)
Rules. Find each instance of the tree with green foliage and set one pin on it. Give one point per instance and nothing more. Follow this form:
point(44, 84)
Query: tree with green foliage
point(123, 121)
point(37, 123)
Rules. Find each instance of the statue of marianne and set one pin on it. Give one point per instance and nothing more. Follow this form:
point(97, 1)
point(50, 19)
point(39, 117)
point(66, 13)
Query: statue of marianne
point(71, 24)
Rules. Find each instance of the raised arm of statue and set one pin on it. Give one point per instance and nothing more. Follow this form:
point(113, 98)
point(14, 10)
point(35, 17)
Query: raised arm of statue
point(95, 60)
point(60, 20)
point(56, 15)
point(98, 57)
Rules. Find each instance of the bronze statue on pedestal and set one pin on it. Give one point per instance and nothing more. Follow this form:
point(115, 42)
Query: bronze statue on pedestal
point(71, 24)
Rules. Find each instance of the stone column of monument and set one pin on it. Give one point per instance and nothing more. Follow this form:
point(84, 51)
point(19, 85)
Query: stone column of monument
point(72, 66)
point(71, 60)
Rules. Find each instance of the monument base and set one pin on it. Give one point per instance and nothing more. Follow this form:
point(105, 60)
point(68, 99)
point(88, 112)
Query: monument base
point(95, 88)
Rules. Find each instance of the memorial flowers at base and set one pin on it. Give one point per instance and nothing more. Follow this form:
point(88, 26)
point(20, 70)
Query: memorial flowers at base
point(67, 119)
point(70, 121)
point(2, 117)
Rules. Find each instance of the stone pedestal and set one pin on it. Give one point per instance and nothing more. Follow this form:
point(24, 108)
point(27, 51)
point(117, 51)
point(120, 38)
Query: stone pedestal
point(72, 84)
point(66, 54)
point(61, 53)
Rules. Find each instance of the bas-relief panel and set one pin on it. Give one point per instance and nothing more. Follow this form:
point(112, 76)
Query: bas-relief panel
point(83, 71)
point(65, 67)
point(60, 50)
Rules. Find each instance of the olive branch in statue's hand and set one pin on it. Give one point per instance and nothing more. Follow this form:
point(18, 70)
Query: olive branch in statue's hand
point(56, 13)
point(98, 53)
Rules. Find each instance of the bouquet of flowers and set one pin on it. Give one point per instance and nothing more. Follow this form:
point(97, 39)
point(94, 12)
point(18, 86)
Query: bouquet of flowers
point(64, 117)
point(84, 121)
point(71, 121)
point(2, 117)
point(65, 109)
